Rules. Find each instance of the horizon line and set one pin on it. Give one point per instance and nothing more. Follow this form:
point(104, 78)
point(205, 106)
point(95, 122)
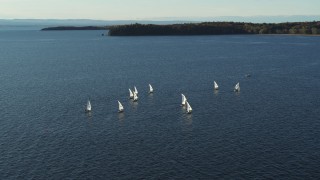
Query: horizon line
point(194, 18)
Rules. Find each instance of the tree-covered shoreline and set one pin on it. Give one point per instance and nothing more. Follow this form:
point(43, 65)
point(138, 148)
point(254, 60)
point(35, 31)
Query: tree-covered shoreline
point(216, 28)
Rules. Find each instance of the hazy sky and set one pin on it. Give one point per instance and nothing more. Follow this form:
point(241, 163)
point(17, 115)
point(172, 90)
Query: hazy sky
point(152, 9)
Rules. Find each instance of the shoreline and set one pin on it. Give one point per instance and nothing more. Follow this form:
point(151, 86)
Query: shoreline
point(216, 28)
point(289, 34)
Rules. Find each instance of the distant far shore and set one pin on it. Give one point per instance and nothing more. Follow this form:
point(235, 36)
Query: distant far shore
point(65, 28)
point(204, 28)
point(217, 28)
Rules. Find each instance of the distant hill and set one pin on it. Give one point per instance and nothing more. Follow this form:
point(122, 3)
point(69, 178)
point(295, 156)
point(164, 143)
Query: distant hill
point(216, 28)
point(37, 24)
point(251, 19)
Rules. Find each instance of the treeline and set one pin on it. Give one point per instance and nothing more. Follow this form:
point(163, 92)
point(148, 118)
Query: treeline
point(64, 28)
point(216, 28)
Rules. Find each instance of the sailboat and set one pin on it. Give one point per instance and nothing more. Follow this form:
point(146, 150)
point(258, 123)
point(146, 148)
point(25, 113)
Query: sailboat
point(237, 87)
point(189, 108)
point(131, 94)
point(135, 97)
point(120, 107)
point(135, 90)
point(88, 108)
point(150, 89)
point(216, 87)
point(184, 99)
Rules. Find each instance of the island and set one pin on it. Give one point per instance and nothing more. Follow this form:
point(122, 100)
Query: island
point(216, 28)
point(64, 28)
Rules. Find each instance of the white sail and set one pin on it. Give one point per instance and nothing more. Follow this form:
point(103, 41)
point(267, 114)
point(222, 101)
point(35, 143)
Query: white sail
point(150, 89)
point(189, 108)
point(135, 97)
point(131, 94)
point(135, 90)
point(216, 87)
point(237, 87)
point(184, 99)
point(88, 108)
point(120, 107)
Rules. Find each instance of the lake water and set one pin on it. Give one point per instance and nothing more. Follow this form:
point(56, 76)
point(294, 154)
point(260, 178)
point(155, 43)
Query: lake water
point(270, 130)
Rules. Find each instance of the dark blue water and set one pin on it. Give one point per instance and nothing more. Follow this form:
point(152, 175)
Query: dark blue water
point(270, 130)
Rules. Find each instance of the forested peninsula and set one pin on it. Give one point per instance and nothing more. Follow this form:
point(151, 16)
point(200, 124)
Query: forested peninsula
point(64, 28)
point(216, 28)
